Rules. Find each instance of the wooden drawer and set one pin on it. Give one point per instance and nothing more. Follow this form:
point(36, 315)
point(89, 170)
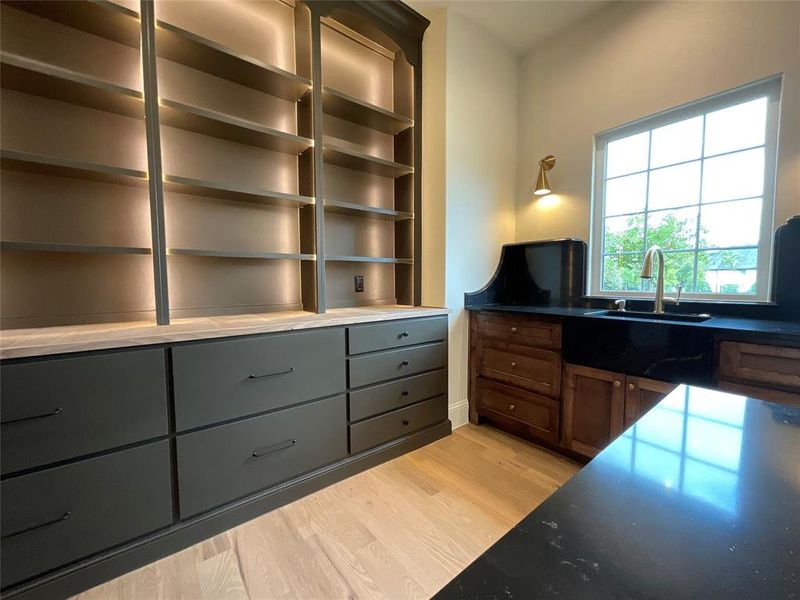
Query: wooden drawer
point(540, 413)
point(396, 394)
point(395, 334)
point(53, 410)
point(770, 365)
point(519, 329)
point(530, 368)
point(382, 366)
point(379, 430)
point(221, 464)
point(791, 398)
point(59, 515)
point(224, 380)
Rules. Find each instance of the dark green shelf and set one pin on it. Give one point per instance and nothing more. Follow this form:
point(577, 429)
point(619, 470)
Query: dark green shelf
point(200, 53)
point(341, 105)
point(229, 191)
point(361, 210)
point(98, 17)
point(72, 248)
point(337, 154)
point(41, 79)
point(370, 259)
point(64, 167)
point(220, 125)
point(234, 254)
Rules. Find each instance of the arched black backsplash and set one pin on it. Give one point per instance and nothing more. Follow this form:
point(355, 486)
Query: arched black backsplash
point(553, 273)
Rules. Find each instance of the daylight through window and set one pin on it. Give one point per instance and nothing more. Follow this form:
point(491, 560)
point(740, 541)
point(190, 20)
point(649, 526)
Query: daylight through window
point(698, 182)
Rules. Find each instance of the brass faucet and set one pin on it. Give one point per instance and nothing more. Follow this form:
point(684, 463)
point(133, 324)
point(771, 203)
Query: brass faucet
point(647, 273)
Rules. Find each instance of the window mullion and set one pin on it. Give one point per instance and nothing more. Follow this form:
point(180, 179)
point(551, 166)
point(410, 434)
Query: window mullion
point(699, 207)
point(646, 200)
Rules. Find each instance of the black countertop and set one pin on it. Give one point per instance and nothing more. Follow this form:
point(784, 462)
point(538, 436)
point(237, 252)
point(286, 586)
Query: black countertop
point(700, 499)
point(778, 329)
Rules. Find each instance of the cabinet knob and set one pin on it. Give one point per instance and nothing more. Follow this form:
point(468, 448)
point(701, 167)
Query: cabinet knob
point(617, 383)
point(513, 364)
point(511, 406)
point(513, 330)
point(404, 334)
point(404, 363)
point(631, 386)
point(404, 393)
point(405, 421)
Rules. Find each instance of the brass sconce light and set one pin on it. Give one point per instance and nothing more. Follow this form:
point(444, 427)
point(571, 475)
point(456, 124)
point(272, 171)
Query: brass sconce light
point(542, 185)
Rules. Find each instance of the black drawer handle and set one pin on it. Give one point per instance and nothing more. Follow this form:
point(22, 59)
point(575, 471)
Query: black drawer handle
point(63, 517)
point(275, 374)
point(406, 422)
point(404, 334)
point(404, 393)
point(404, 363)
point(266, 450)
point(57, 411)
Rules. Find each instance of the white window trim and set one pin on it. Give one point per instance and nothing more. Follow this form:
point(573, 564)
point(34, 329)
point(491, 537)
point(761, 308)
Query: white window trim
point(770, 87)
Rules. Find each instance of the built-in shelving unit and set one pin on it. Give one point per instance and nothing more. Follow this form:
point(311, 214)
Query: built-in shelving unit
point(76, 242)
point(368, 150)
point(171, 159)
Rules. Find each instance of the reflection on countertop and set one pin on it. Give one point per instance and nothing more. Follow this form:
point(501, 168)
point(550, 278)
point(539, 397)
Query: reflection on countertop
point(699, 499)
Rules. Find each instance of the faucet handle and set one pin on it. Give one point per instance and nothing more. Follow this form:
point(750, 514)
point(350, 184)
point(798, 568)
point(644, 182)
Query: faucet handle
point(677, 299)
point(621, 304)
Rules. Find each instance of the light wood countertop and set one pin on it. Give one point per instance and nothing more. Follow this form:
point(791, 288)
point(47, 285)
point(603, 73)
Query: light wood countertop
point(18, 343)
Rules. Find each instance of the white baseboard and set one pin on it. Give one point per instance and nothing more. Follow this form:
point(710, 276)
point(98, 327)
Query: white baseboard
point(459, 413)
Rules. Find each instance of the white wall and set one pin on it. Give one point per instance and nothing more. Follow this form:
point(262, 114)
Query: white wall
point(631, 60)
point(469, 170)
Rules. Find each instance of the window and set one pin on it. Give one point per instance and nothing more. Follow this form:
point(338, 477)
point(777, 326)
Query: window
point(698, 181)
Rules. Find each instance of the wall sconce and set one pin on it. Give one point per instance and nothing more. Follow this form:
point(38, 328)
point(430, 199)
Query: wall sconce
point(542, 185)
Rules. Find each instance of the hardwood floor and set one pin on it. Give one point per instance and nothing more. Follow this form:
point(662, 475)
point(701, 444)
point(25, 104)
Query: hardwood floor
point(400, 530)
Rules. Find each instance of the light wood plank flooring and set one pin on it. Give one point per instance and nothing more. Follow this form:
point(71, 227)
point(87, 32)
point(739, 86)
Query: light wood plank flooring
point(400, 530)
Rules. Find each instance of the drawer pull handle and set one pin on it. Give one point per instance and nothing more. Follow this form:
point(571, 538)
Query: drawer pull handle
point(57, 411)
point(266, 450)
point(617, 383)
point(513, 330)
point(404, 363)
point(404, 393)
point(513, 364)
point(631, 386)
point(406, 422)
point(63, 517)
point(511, 406)
point(404, 334)
point(275, 374)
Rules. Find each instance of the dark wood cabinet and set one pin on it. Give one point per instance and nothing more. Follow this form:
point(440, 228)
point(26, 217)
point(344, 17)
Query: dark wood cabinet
point(641, 395)
point(763, 371)
point(593, 409)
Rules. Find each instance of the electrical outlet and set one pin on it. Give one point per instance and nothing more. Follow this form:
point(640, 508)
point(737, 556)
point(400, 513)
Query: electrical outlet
point(359, 283)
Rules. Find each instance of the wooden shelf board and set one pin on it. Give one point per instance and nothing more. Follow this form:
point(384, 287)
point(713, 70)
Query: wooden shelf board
point(64, 167)
point(349, 108)
point(234, 254)
point(336, 154)
point(41, 79)
point(220, 125)
point(74, 248)
point(373, 259)
point(99, 17)
point(197, 52)
point(360, 210)
point(229, 191)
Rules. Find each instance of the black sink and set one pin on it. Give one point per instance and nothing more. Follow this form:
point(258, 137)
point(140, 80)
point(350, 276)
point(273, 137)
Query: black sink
point(633, 314)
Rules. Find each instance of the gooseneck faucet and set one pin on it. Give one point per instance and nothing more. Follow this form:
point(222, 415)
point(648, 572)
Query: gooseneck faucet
point(647, 273)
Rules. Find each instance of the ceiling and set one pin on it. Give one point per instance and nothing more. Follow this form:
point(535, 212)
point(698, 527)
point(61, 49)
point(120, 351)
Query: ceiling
point(519, 24)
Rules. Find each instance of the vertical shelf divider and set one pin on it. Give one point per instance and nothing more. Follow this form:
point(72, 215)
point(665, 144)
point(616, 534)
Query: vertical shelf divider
point(319, 166)
point(153, 134)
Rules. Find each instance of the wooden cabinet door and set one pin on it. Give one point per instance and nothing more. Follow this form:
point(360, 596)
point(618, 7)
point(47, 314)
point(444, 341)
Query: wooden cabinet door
point(641, 395)
point(594, 406)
